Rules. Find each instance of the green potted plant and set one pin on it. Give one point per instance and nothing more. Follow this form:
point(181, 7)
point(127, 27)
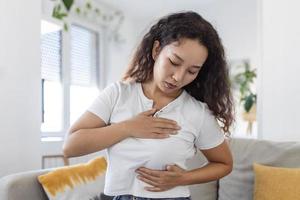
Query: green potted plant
point(247, 97)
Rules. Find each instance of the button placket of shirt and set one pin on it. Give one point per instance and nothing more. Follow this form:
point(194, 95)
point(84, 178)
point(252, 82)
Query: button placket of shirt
point(157, 113)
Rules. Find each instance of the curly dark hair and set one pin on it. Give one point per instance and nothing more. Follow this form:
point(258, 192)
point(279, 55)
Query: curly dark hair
point(212, 84)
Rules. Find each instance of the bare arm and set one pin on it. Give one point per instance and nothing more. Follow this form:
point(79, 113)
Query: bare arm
point(90, 133)
point(220, 164)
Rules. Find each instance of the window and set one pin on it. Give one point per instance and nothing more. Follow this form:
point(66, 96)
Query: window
point(51, 63)
point(84, 53)
point(69, 75)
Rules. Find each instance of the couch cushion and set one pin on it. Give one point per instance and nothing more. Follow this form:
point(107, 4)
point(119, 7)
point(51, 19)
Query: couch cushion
point(276, 182)
point(22, 185)
point(239, 184)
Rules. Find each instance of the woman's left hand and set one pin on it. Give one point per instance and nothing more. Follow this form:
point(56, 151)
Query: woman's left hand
point(161, 180)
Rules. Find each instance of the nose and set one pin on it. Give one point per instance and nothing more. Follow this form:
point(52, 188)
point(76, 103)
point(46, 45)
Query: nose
point(178, 75)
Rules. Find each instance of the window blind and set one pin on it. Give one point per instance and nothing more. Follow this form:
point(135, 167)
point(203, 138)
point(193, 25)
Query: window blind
point(83, 56)
point(51, 56)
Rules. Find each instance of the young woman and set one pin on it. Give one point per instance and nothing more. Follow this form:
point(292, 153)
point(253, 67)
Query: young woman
point(167, 106)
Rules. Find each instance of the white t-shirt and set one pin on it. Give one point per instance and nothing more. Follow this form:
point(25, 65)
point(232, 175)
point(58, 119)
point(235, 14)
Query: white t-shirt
point(199, 129)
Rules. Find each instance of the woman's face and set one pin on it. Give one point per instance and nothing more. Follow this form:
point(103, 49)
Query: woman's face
point(177, 64)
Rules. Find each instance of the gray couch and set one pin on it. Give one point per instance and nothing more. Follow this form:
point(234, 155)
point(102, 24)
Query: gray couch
point(236, 186)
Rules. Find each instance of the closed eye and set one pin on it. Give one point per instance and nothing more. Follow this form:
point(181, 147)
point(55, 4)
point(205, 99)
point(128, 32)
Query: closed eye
point(175, 64)
point(193, 73)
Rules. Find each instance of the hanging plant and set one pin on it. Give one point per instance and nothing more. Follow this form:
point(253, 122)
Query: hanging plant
point(85, 9)
point(61, 10)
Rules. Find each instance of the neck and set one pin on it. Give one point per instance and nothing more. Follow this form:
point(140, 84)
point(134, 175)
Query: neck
point(152, 91)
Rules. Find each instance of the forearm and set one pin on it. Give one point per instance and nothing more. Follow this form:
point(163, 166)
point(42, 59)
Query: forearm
point(85, 141)
point(210, 172)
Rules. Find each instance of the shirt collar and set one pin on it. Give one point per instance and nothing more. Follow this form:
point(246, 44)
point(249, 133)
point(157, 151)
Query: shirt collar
point(172, 104)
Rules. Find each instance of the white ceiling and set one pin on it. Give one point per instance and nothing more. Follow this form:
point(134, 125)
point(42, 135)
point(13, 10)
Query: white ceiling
point(150, 8)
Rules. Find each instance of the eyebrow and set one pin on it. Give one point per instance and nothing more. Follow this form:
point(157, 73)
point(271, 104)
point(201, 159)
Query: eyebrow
point(196, 66)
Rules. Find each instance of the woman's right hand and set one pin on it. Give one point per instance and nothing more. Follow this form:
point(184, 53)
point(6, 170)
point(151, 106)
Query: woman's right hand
point(144, 125)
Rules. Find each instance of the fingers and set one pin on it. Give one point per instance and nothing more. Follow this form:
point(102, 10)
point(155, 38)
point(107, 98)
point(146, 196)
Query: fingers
point(149, 112)
point(166, 126)
point(147, 180)
point(149, 177)
point(158, 136)
point(154, 189)
point(165, 120)
point(158, 179)
point(174, 167)
point(166, 131)
point(159, 119)
point(158, 128)
point(150, 172)
point(170, 167)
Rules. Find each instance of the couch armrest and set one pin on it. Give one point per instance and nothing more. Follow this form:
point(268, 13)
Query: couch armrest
point(23, 186)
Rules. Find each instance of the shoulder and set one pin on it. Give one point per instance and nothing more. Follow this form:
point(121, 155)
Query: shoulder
point(121, 86)
point(192, 104)
point(126, 87)
point(197, 110)
point(120, 89)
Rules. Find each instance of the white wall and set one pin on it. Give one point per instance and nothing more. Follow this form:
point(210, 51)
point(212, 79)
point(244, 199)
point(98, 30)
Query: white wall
point(19, 86)
point(119, 53)
point(280, 70)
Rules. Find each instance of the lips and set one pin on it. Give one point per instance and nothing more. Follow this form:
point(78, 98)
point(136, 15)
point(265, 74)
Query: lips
point(170, 86)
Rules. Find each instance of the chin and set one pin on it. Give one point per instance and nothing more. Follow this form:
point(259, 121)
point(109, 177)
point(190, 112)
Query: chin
point(168, 90)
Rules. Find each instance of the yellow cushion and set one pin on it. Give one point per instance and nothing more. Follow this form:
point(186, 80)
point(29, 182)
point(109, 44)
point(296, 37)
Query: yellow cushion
point(74, 182)
point(276, 183)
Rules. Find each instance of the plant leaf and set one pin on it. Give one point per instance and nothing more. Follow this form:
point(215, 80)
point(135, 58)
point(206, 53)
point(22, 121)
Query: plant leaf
point(66, 26)
point(78, 10)
point(88, 5)
point(68, 4)
point(249, 101)
point(58, 13)
point(97, 11)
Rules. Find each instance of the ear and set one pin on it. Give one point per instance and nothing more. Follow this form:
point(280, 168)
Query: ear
point(155, 49)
